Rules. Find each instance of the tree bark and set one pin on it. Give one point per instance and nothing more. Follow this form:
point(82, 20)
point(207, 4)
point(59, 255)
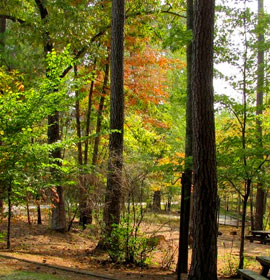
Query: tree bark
point(85, 211)
point(260, 195)
point(39, 220)
point(78, 121)
point(28, 213)
point(252, 225)
point(182, 265)
point(248, 181)
point(58, 222)
point(99, 115)
point(9, 216)
point(88, 118)
point(114, 176)
point(2, 39)
point(204, 257)
point(157, 201)
point(2, 51)
point(243, 224)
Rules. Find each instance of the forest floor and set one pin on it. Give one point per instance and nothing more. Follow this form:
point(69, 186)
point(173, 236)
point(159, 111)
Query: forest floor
point(75, 249)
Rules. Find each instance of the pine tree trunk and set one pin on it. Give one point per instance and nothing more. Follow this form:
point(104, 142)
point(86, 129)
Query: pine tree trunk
point(204, 256)
point(260, 196)
point(114, 176)
point(182, 265)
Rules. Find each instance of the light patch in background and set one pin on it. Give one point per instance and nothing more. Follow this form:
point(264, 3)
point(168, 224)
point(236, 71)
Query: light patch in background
point(220, 85)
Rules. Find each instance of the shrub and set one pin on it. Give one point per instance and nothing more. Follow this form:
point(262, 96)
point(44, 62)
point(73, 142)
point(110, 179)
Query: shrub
point(128, 245)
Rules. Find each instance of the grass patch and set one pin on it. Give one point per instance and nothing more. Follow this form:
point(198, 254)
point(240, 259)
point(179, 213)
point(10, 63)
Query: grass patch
point(162, 218)
point(24, 275)
point(7, 273)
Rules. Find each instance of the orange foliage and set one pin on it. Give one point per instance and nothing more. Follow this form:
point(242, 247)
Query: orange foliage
point(177, 159)
point(20, 86)
point(156, 122)
point(146, 78)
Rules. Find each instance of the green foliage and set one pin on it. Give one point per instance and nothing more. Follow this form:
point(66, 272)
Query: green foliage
point(230, 261)
point(231, 264)
point(128, 245)
point(24, 275)
point(24, 152)
point(2, 236)
point(178, 37)
point(242, 153)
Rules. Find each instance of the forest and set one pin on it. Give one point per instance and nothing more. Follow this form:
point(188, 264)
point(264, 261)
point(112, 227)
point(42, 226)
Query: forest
point(134, 139)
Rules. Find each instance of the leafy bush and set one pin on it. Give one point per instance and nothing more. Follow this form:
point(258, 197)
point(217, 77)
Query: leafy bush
point(127, 244)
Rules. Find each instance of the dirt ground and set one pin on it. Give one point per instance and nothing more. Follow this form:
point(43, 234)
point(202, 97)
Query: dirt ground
point(75, 250)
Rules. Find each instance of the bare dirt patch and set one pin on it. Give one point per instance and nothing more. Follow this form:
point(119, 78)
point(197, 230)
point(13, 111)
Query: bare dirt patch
point(75, 249)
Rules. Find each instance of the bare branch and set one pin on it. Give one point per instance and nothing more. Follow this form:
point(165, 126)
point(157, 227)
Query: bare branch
point(234, 113)
point(147, 13)
point(173, 183)
point(261, 164)
point(173, 13)
point(234, 186)
point(14, 19)
point(83, 50)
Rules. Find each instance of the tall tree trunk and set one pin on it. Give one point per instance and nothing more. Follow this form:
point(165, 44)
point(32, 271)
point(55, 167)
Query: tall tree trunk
point(3, 24)
point(260, 196)
point(182, 265)
point(58, 221)
point(78, 121)
point(39, 220)
point(28, 213)
point(204, 257)
point(2, 53)
point(99, 115)
point(114, 176)
point(1, 203)
point(85, 207)
point(238, 208)
point(88, 118)
point(244, 125)
point(9, 216)
point(85, 217)
point(169, 201)
point(251, 209)
point(243, 224)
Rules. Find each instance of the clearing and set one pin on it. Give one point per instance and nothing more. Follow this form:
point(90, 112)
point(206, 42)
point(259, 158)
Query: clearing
point(75, 250)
